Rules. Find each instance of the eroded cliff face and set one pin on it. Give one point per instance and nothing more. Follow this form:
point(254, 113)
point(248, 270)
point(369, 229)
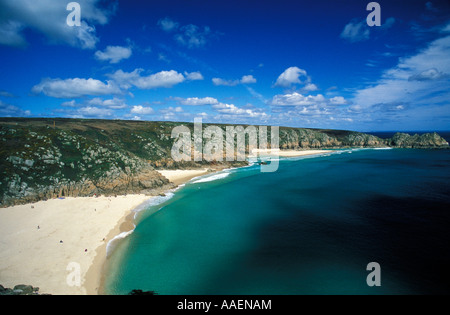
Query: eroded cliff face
point(56, 163)
point(429, 140)
point(291, 138)
point(44, 159)
point(315, 139)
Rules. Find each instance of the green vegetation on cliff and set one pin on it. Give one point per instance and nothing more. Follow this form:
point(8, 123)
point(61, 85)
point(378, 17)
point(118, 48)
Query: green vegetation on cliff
point(49, 158)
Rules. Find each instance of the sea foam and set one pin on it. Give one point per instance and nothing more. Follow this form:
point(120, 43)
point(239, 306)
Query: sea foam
point(211, 178)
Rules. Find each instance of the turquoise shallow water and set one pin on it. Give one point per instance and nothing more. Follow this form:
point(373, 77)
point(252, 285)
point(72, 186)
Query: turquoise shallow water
point(309, 228)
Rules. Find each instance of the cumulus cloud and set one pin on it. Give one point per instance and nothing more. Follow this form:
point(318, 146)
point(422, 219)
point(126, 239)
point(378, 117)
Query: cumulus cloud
point(114, 54)
point(222, 82)
point(49, 18)
point(310, 104)
point(233, 110)
point(114, 103)
point(194, 76)
point(141, 110)
point(297, 99)
point(195, 101)
point(246, 79)
point(293, 77)
point(290, 76)
point(75, 88)
point(163, 79)
point(85, 111)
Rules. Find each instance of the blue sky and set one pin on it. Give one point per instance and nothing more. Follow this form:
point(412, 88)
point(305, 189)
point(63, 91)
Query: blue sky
point(313, 64)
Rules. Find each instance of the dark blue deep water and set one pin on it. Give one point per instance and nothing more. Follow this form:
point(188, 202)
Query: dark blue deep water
point(309, 228)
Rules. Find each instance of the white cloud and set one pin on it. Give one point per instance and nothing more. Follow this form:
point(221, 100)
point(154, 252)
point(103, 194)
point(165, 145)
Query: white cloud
point(172, 113)
point(195, 101)
point(246, 79)
point(297, 99)
point(338, 100)
point(71, 103)
point(141, 110)
point(49, 18)
point(75, 88)
point(114, 54)
point(291, 76)
point(310, 87)
point(356, 31)
point(114, 103)
point(194, 76)
point(233, 110)
point(163, 79)
point(222, 82)
point(420, 79)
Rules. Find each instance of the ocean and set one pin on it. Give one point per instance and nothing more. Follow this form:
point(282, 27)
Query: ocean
point(312, 227)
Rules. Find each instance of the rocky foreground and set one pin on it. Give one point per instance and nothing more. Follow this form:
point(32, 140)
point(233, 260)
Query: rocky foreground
point(20, 289)
point(55, 158)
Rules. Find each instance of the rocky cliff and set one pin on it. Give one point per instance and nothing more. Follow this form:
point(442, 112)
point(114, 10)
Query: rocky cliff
point(44, 158)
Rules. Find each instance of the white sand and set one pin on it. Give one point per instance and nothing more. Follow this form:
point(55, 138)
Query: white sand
point(33, 256)
point(179, 177)
point(287, 153)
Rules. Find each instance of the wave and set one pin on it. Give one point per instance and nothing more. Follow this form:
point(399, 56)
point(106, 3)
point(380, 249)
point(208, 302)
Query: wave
point(211, 178)
point(113, 243)
point(151, 202)
point(154, 201)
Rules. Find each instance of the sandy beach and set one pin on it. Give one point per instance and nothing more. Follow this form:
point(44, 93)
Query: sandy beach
point(287, 153)
point(50, 244)
point(179, 177)
point(46, 243)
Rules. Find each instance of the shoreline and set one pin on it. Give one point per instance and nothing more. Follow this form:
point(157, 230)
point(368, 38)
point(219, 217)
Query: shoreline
point(41, 241)
point(128, 223)
point(30, 236)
